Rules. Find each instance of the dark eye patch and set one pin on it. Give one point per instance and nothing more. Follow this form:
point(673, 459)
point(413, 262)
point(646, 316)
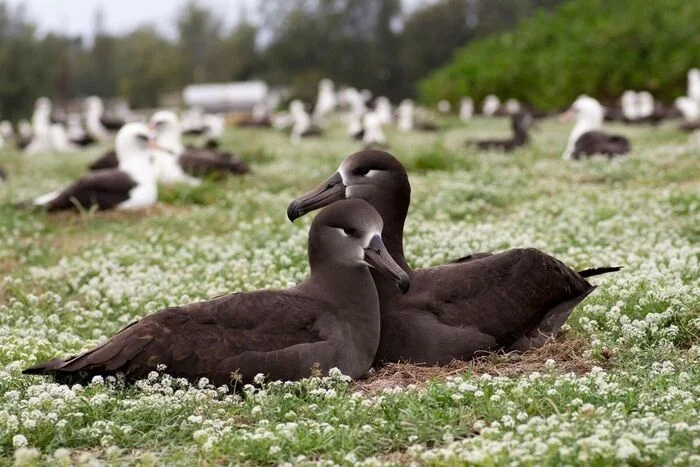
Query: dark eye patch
point(361, 171)
point(142, 137)
point(349, 231)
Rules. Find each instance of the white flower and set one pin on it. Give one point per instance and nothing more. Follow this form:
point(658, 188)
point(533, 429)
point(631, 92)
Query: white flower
point(19, 441)
point(97, 379)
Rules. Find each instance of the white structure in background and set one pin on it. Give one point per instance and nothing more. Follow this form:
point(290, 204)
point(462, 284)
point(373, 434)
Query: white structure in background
point(93, 119)
point(628, 102)
point(325, 101)
point(645, 104)
point(466, 109)
point(694, 84)
point(589, 117)
point(491, 105)
point(302, 120)
point(690, 108)
point(405, 115)
point(229, 97)
point(444, 106)
point(372, 125)
point(512, 106)
point(382, 108)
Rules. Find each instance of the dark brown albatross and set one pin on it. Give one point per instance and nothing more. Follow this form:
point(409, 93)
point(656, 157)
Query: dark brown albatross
point(514, 300)
point(520, 123)
point(330, 320)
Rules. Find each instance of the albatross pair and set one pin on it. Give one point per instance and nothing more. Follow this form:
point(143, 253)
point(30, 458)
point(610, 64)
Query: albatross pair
point(330, 320)
point(176, 163)
point(514, 300)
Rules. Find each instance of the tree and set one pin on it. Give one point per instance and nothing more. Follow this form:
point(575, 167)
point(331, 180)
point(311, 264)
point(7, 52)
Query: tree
point(148, 67)
point(199, 31)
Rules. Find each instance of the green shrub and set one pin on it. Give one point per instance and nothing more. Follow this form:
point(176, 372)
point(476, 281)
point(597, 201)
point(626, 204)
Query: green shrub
point(598, 47)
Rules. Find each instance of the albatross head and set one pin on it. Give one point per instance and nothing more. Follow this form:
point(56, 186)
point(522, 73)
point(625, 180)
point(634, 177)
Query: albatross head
point(132, 144)
point(588, 110)
point(165, 124)
point(349, 233)
point(372, 175)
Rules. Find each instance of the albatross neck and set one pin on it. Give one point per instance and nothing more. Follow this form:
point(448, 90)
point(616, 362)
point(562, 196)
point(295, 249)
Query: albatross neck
point(393, 209)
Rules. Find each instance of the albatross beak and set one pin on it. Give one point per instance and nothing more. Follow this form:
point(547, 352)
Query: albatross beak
point(566, 116)
point(377, 256)
point(328, 192)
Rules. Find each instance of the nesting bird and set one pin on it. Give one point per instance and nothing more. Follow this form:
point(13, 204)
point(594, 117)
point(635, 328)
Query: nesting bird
point(694, 84)
point(302, 126)
point(372, 134)
point(325, 102)
point(131, 185)
point(466, 109)
point(690, 109)
point(331, 320)
point(47, 136)
point(491, 105)
point(175, 163)
point(520, 123)
point(98, 126)
point(514, 300)
point(587, 137)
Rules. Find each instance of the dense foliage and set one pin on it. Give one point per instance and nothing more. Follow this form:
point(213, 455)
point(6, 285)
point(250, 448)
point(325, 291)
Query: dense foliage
point(373, 44)
point(597, 47)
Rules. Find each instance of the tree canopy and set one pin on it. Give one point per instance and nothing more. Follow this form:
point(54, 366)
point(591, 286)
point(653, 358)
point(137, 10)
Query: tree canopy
point(596, 47)
point(374, 44)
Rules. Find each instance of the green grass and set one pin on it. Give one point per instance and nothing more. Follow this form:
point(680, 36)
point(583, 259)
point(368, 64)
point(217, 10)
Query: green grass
point(628, 396)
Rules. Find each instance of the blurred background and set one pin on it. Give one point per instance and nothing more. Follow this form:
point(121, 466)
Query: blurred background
point(542, 52)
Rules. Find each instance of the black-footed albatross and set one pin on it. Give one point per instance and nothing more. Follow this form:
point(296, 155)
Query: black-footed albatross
point(330, 320)
point(520, 123)
point(514, 300)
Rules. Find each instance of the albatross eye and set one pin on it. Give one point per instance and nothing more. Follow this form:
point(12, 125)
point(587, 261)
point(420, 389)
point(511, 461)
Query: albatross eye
point(361, 171)
point(142, 137)
point(350, 232)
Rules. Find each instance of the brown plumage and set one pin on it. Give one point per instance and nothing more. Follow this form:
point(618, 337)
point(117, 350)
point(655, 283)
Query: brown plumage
point(112, 123)
point(104, 189)
point(514, 300)
point(597, 142)
point(200, 162)
point(520, 123)
point(330, 320)
point(107, 161)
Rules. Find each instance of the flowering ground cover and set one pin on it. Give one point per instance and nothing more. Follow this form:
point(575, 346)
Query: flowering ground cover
point(620, 386)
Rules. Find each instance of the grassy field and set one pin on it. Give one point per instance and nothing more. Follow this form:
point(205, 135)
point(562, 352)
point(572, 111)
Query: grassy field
point(620, 386)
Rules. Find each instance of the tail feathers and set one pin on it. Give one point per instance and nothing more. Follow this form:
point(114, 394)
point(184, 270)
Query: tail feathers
point(549, 326)
point(598, 271)
point(45, 368)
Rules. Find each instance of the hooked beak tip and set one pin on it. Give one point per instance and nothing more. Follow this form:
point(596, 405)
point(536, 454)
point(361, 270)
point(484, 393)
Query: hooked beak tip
point(404, 284)
point(293, 211)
